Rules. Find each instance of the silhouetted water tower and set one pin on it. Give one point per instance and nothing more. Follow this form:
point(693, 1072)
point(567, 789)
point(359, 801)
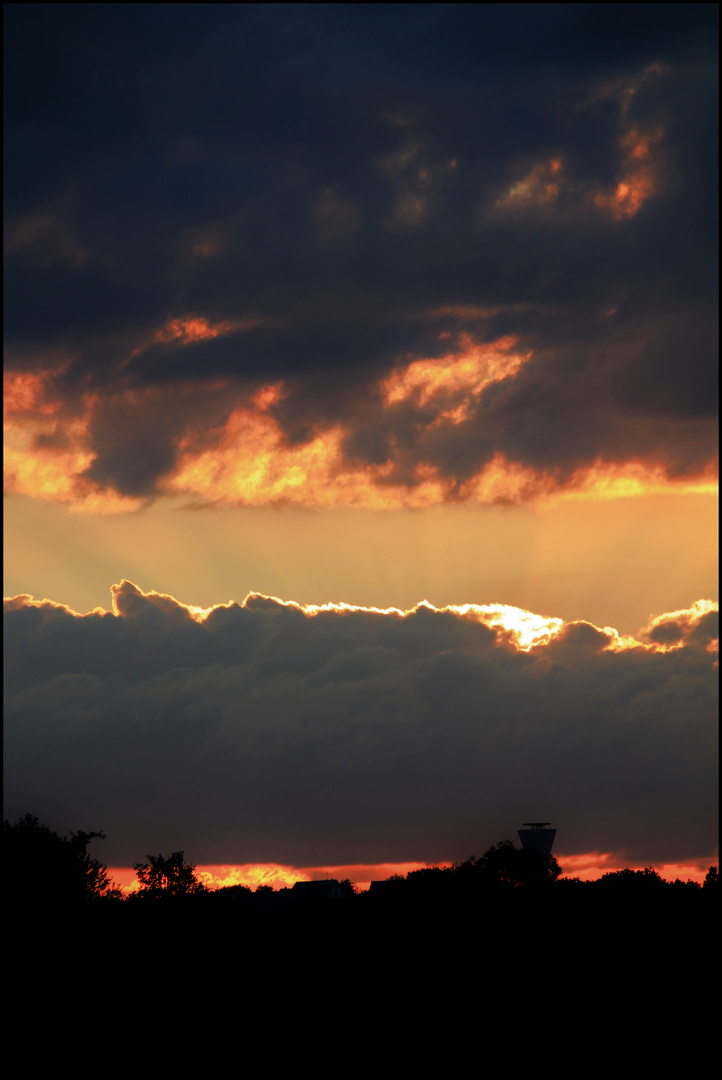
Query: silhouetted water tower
point(535, 834)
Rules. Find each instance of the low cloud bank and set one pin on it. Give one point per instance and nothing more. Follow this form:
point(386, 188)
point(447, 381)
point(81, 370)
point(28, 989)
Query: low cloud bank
point(268, 732)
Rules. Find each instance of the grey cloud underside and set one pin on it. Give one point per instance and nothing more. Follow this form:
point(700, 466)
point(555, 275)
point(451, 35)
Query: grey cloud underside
point(263, 734)
point(291, 140)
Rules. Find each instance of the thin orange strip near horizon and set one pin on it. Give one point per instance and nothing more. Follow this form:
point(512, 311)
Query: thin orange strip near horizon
point(588, 867)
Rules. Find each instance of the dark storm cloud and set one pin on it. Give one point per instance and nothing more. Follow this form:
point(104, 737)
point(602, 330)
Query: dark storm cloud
point(267, 734)
point(337, 172)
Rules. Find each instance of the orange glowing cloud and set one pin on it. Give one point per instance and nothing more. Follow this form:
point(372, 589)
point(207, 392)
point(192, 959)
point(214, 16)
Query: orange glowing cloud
point(640, 172)
point(188, 329)
point(247, 460)
point(251, 875)
point(503, 481)
point(470, 371)
point(251, 465)
point(23, 392)
point(639, 180)
point(640, 175)
point(185, 331)
point(45, 456)
point(602, 481)
point(30, 421)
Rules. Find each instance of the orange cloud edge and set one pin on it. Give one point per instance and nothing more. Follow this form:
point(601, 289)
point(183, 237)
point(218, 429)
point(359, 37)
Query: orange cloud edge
point(247, 462)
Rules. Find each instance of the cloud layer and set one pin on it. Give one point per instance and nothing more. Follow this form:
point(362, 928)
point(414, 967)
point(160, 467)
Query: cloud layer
point(272, 253)
point(266, 732)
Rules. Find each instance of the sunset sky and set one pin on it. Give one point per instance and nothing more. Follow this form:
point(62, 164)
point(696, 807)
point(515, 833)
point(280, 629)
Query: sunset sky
point(360, 392)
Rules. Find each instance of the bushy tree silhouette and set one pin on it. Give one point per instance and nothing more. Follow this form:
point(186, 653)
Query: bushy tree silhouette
point(631, 881)
point(42, 866)
point(349, 888)
point(508, 866)
point(171, 876)
point(711, 880)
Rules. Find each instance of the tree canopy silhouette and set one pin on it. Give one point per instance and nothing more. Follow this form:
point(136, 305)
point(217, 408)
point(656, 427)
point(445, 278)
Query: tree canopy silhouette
point(42, 866)
point(509, 866)
point(631, 881)
point(711, 880)
point(164, 877)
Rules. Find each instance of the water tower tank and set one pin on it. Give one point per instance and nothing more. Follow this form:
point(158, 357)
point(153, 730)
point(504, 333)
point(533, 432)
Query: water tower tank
point(535, 834)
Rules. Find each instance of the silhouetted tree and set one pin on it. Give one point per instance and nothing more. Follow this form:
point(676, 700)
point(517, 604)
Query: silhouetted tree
point(506, 865)
point(42, 866)
point(163, 877)
point(429, 882)
point(711, 880)
point(349, 888)
point(233, 893)
point(632, 881)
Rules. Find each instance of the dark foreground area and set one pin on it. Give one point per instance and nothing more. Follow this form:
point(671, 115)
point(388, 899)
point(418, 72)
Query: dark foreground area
point(640, 933)
point(568, 974)
point(443, 950)
point(439, 968)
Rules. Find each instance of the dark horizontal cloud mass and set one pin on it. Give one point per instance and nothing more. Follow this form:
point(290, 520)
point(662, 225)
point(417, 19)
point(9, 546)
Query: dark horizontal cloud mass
point(327, 182)
point(263, 733)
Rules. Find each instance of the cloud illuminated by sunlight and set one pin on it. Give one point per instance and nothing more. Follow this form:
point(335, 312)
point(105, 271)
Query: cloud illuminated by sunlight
point(247, 460)
point(23, 393)
point(45, 457)
point(187, 329)
point(629, 480)
point(471, 370)
point(525, 630)
point(640, 175)
point(670, 631)
point(251, 875)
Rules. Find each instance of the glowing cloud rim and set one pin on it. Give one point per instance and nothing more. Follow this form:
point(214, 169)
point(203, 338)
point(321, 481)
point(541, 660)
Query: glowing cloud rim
point(524, 630)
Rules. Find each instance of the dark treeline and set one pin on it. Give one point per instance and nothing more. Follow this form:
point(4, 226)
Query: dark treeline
point(479, 937)
point(43, 868)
